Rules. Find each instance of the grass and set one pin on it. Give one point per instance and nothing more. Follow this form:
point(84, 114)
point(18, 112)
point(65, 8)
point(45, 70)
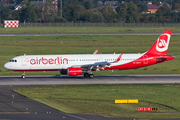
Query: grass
point(99, 99)
point(11, 46)
point(85, 29)
point(146, 116)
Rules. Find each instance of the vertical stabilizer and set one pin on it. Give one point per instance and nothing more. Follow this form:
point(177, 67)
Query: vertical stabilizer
point(160, 47)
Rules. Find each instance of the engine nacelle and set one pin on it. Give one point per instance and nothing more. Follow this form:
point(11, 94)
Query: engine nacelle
point(73, 71)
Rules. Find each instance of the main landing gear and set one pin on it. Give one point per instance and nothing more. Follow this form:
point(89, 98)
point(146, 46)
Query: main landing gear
point(23, 75)
point(86, 75)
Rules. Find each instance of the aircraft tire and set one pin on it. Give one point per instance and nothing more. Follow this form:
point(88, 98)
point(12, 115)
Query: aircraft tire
point(86, 75)
point(23, 76)
point(91, 76)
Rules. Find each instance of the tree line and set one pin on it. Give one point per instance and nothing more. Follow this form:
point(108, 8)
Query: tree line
point(127, 11)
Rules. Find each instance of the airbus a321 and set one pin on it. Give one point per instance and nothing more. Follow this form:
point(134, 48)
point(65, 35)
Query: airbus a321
point(74, 65)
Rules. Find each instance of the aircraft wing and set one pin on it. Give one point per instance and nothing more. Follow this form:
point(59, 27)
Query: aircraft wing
point(97, 65)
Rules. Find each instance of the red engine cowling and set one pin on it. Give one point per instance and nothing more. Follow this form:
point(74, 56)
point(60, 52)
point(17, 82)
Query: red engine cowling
point(73, 71)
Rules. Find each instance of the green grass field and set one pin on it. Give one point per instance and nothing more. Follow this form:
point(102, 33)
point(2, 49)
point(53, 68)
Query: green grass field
point(85, 29)
point(11, 46)
point(99, 99)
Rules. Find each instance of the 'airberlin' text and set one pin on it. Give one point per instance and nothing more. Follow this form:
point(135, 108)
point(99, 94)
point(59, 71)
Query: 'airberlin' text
point(42, 60)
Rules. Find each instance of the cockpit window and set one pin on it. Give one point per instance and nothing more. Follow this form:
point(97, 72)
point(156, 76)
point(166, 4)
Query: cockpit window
point(13, 61)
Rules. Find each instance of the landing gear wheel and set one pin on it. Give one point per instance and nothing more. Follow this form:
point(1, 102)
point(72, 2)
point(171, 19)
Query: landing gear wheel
point(86, 75)
point(23, 76)
point(91, 76)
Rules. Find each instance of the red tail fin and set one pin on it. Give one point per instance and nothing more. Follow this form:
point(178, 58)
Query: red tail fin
point(161, 45)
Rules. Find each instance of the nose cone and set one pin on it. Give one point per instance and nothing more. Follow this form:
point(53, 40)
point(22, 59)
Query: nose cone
point(7, 66)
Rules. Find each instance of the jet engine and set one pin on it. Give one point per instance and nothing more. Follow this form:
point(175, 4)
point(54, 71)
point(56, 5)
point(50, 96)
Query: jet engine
point(73, 71)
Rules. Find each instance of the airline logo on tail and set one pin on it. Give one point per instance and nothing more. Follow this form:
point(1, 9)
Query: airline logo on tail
point(162, 42)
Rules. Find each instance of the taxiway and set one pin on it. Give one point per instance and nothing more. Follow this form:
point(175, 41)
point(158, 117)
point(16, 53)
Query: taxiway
point(98, 79)
point(20, 107)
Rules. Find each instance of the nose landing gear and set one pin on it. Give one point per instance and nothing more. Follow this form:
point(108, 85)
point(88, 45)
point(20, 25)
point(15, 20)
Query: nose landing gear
point(23, 75)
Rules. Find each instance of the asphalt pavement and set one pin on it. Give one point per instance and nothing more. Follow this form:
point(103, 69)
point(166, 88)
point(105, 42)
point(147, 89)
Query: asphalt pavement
point(16, 107)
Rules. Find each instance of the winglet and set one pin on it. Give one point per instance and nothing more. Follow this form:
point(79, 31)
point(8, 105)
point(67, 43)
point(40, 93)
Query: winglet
point(119, 57)
point(95, 52)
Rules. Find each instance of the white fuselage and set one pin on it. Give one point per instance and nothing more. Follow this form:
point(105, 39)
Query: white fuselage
point(58, 62)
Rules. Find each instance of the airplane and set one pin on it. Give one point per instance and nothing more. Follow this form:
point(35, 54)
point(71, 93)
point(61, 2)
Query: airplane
point(74, 65)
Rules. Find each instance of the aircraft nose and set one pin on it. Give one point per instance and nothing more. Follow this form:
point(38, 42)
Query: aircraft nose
point(6, 66)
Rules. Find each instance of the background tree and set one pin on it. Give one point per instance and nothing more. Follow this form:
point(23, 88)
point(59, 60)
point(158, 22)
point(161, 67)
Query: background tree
point(16, 15)
point(87, 4)
point(134, 1)
point(73, 12)
point(66, 2)
point(122, 13)
point(174, 17)
point(156, 2)
point(159, 16)
point(176, 4)
point(49, 11)
point(94, 3)
point(38, 10)
point(6, 14)
point(108, 13)
point(96, 17)
point(60, 20)
point(166, 11)
point(142, 8)
point(85, 16)
point(31, 14)
point(27, 13)
point(178, 19)
point(152, 19)
point(128, 12)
